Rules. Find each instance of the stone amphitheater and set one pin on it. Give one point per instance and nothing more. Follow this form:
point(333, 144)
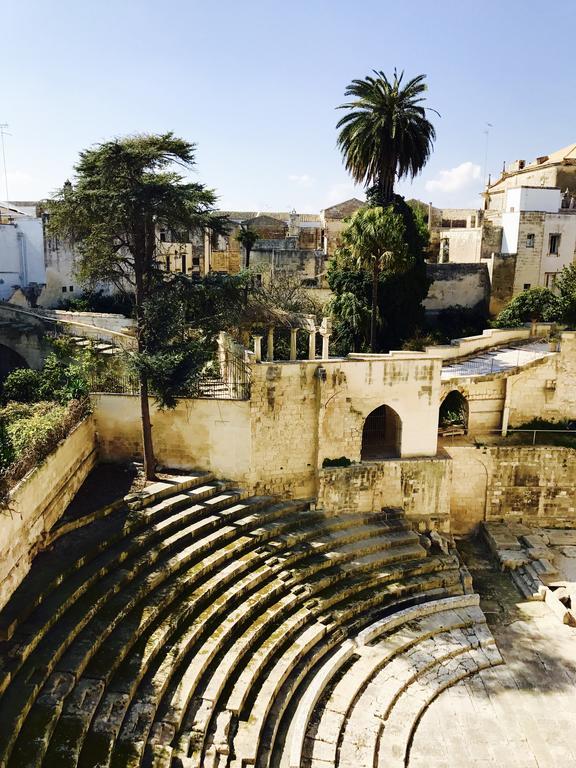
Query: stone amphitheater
point(193, 626)
point(307, 614)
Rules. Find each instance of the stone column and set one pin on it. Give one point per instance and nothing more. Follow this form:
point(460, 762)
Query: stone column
point(326, 332)
point(325, 346)
point(270, 345)
point(312, 345)
point(257, 348)
point(293, 343)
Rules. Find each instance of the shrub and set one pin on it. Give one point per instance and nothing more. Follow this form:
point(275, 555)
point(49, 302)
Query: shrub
point(343, 461)
point(22, 385)
point(538, 304)
point(7, 453)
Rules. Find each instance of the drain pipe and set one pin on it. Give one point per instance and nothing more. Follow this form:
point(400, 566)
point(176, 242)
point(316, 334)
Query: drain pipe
point(23, 260)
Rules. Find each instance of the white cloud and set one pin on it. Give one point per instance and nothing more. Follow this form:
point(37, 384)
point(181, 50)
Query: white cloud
point(456, 179)
point(303, 180)
point(337, 193)
point(21, 185)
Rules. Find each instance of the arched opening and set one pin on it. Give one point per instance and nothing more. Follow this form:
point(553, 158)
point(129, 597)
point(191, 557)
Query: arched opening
point(454, 413)
point(381, 435)
point(9, 360)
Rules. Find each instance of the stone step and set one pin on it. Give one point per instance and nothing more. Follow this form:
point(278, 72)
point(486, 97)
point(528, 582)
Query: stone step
point(248, 611)
point(311, 697)
point(60, 637)
point(126, 600)
point(400, 681)
point(92, 577)
point(193, 610)
point(77, 548)
point(435, 617)
point(101, 666)
point(397, 734)
point(280, 682)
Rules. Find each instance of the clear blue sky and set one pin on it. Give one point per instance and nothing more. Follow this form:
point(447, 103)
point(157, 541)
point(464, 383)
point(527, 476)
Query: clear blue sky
point(255, 84)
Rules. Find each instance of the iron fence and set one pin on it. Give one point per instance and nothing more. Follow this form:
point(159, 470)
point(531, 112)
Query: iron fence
point(554, 437)
point(231, 382)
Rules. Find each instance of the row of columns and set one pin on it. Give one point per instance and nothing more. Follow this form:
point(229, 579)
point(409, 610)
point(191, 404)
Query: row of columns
point(325, 331)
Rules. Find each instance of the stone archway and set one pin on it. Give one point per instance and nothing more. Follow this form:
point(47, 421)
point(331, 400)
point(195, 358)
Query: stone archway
point(381, 435)
point(454, 412)
point(10, 360)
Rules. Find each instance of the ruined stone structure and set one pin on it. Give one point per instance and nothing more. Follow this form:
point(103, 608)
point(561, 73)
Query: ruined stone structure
point(313, 609)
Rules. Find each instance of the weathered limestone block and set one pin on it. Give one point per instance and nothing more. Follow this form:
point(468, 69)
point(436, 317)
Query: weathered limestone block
point(510, 559)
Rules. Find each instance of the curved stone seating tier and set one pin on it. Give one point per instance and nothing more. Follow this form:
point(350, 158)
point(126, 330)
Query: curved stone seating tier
point(193, 626)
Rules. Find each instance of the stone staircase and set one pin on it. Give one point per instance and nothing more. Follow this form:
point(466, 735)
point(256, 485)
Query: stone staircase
point(193, 626)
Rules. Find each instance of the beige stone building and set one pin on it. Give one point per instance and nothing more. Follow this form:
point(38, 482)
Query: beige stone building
point(526, 231)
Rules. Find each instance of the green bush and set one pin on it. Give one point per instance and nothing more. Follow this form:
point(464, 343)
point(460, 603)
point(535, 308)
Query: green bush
point(26, 424)
point(7, 453)
point(22, 385)
point(343, 461)
point(538, 304)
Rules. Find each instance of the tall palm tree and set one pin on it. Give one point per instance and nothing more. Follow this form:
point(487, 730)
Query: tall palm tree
point(247, 237)
point(386, 135)
point(375, 239)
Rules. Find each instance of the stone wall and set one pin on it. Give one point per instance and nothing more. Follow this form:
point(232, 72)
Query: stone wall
point(464, 285)
point(420, 486)
point(305, 412)
point(502, 268)
point(203, 434)
point(535, 485)
point(546, 390)
point(38, 501)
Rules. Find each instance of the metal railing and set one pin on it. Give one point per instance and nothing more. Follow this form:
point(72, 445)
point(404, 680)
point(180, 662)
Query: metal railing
point(231, 382)
point(489, 363)
point(553, 437)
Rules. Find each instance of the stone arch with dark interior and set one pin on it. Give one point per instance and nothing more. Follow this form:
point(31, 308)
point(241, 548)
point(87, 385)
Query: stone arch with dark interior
point(381, 435)
point(9, 360)
point(454, 412)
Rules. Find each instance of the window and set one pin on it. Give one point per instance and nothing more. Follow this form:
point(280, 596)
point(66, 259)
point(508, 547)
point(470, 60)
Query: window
point(162, 235)
point(196, 261)
point(554, 245)
point(64, 289)
point(71, 288)
point(168, 263)
point(550, 279)
point(530, 240)
point(183, 262)
point(526, 286)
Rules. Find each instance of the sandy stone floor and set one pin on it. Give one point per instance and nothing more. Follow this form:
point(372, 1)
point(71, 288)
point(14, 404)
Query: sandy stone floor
point(519, 715)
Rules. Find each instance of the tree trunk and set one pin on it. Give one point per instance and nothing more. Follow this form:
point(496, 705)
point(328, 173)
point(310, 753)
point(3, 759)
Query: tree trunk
point(147, 444)
point(375, 277)
point(249, 279)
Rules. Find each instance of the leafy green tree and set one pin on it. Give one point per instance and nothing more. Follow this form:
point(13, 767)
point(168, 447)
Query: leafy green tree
point(400, 295)
point(375, 239)
point(565, 287)
point(124, 191)
point(247, 238)
point(539, 304)
point(22, 385)
point(385, 135)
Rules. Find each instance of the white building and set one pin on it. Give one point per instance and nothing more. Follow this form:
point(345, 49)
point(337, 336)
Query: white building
point(540, 232)
point(21, 252)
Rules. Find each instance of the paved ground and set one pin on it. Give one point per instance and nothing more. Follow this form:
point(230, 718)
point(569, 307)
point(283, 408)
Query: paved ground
point(496, 360)
point(519, 715)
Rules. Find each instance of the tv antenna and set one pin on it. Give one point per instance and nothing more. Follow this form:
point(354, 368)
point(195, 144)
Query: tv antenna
point(487, 134)
point(3, 133)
